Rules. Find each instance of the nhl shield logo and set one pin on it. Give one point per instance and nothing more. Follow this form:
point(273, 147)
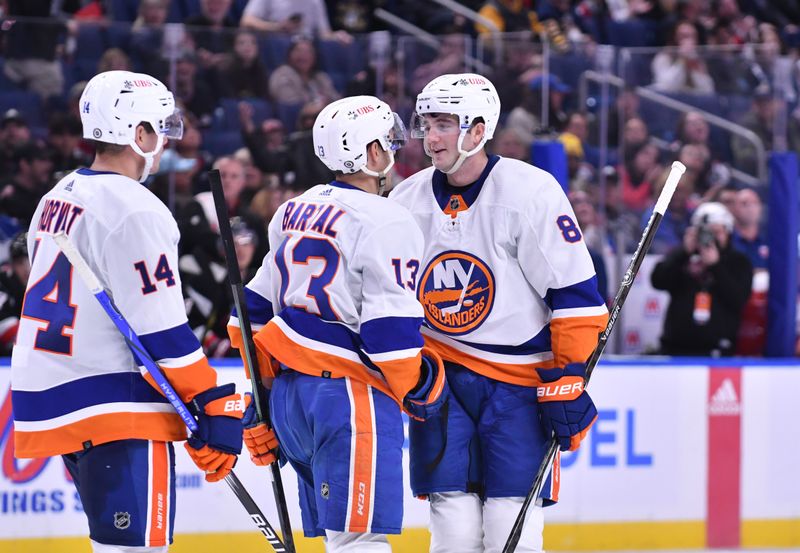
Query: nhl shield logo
point(325, 490)
point(122, 521)
point(457, 291)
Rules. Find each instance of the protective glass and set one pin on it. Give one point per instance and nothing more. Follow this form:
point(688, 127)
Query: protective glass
point(422, 125)
point(397, 135)
point(172, 126)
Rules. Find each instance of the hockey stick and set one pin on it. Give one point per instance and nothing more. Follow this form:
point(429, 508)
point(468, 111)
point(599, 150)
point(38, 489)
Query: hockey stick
point(235, 279)
point(141, 354)
point(624, 288)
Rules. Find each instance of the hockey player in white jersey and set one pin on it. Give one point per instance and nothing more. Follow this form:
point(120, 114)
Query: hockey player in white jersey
point(511, 305)
point(334, 304)
point(76, 388)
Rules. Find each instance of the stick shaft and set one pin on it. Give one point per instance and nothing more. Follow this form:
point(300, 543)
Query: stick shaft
point(248, 345)
point(144, 358)
point(625, 287)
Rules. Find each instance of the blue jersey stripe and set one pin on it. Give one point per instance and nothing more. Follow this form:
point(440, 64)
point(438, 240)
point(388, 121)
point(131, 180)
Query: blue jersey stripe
point(537, 344)
point(259, 308)
point(582, 294)
point(391, 334)
point(84, 392)
point(170, 343)
point(311, 326)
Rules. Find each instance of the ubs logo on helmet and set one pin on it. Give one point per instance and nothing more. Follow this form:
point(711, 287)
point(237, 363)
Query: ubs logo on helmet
point(457, 291)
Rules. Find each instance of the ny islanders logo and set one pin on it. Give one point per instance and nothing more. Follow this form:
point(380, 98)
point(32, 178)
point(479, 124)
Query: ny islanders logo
point(457, 292)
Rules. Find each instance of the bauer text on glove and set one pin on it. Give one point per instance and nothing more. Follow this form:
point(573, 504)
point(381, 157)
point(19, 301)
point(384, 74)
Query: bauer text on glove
point(565, 408)
point(218, 439)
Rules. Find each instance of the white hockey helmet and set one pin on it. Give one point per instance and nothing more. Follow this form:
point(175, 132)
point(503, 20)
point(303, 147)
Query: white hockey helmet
point(712, 213)
point(468, 96)
point(344, 129)
point(114, 103)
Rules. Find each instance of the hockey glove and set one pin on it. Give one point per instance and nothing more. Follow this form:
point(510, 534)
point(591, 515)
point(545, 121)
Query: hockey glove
point(258, 437)
point(566, 409)
point(218, 439)
point(430, 393)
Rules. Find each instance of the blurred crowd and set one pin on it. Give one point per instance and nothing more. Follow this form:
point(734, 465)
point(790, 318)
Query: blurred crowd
point(251, 76)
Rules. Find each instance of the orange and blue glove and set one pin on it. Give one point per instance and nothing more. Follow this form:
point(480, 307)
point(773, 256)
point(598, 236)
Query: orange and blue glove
point(218, 439)
point(260, 440)
point(431, 392)
point(566, 410)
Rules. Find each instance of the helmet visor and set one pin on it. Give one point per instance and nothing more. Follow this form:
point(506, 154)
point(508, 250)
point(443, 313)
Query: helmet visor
point(397, 135)
point(442, 124)
point(172, 125)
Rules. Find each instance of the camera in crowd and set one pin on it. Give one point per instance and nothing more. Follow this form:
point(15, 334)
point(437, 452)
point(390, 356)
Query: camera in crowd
point(706, 218)
point(705, 236)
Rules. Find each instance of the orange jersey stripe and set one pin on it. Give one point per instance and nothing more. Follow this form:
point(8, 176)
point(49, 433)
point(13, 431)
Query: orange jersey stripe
point(362, 457)
point(271, 339)
point(521, 375)
point(159, 495)
point(574, 338)
point(100, 429)
point(188, 380)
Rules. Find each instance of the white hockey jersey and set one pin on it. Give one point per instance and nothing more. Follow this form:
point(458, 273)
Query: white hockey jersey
point(74, 381)
point(335, 296)
point(506, 280)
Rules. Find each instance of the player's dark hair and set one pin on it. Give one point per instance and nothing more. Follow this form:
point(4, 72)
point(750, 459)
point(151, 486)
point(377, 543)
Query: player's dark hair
point(106, 148)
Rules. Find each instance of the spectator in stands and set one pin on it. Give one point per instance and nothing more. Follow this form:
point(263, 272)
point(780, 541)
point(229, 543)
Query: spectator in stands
point(306, 17)
point(31, 47)
point(191, 147)
point(747, 236)
point(113, 59)
point(245, 242)
point(526, 117)
point(676, 218)
point(580, 173)
point(267, 143)
point(697, 159)
point(680, 68)
point(639, 174)
point(509, 142)
point(254, 178)
point(761, 120)
point(626, 107)
point(242, 74)
point(14, 133)
point(708, 282)
point(13, 281)
point(590, 223)
point(635, 134)
point(147, 36)
point(449, 59)
point(64, 138)
point(508, 16)
point(304, 169)
point(33, 177)
point(194, 93)
point(694, 129)
point(299, 80)
point(211, 30)
point(522, 61)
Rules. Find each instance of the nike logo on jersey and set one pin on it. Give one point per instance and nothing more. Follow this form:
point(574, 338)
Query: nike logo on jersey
point(457, 292)
point(313, 217)
point(58, 215)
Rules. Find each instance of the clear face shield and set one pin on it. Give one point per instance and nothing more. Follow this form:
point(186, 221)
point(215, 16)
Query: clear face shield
point(172, 126)
point(423, 123)
point(397, 135)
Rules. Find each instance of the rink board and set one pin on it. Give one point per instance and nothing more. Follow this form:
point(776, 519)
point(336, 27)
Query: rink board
point(640, 481)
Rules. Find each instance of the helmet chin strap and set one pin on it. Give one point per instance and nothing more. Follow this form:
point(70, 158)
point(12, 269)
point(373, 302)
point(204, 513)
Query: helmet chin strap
point(463, 154)
point(381, 174)
point(149, 156)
